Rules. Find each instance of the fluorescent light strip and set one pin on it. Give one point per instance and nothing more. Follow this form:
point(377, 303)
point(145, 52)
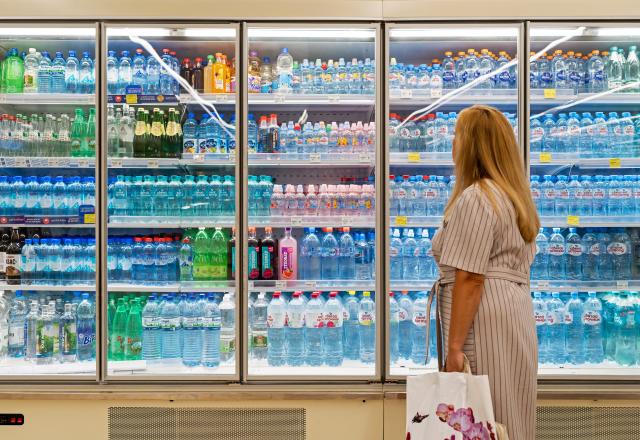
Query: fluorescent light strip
point(457, 33)
point(140, 32)
point(310, 33)
point(553, 32)
point(618, 32)
point(210, 32)
point(46, 32)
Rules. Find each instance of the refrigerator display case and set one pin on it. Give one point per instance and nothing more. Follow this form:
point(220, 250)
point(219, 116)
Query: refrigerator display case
point(583, 156)
point(47, 201)
point(311, 202)
point(170, 105)
point(434, 71)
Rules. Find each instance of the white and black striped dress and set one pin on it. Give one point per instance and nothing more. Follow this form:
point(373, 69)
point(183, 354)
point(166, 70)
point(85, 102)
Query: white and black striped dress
point(502, 342)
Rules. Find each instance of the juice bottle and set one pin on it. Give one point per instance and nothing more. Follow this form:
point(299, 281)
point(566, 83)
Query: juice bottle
point(219, 75)
point(288, 252)
point(208, 75)
point(254, 255)
point(227, 74)
point(269, 255)
point(254, 72)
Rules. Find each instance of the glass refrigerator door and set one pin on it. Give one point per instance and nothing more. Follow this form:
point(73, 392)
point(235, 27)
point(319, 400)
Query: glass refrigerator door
point(170, 137)
point(311, 202)
point(585, 161)
point(47, 201)
point(434, 72)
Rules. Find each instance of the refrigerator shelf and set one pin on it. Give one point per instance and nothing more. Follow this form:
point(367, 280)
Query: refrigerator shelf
point(316, 221)
point(414, 221)
point(405, 367)
point(604, 370)
point(410, 98)
point(313, 160)
point(172, 100)
point(47, 98)
point(584, 286)
point(47, 225)
point(311, 285)
point(421, 159)
point(188, 159)
point(158, 368)
point(47, 162)
point(49, 287)
point(413, 285)
point(20, 367)
point(150, 222)
point(568, 159)
point(590, 222)
point(348, 368)
point(186, 287)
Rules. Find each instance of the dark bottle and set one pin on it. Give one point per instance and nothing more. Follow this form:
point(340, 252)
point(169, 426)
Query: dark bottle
point(140, 135)
point(197, 76)
point(13, 257)
point(4, 244)
point(269, 256)
point(154, 140)
point(231, 255)
point(185, 70)
point(254, 260)
point(171, 142)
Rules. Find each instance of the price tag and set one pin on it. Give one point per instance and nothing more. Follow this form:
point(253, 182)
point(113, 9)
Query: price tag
point(280, 284)
point(622, 284)
point(83, 163)
point(21, 162)
point(549, 93)
point(543, 284)
point(222, 97)
point(406, 93)
point(53, 162)
point(401, 220)
point(311, 284)
point(279, 99)
point(364, 157)
point(573, 220)
point(545, 157)
point(131, 99)
point(314, 157)
point(152, 163)
point(296, 221)
point(232, 156)
point(347, 221)
point(116, 163)
point(413, 157)
point(198, 157)
point(436, 93)
point(89, 218)
point(334, 99)
point(614, 162)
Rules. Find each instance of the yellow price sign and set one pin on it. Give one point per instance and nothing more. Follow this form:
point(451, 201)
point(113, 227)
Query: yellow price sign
point(131, 98)
point(549, 93)
point(614, 162)
point(401, 220)
point(573, 220)
point(545, 157)
point(89, 218)
point(413, 157)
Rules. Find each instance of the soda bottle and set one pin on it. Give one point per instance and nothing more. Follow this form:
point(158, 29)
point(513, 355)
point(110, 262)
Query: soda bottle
point(118, 338)
point(218, 255)
point(13, 72)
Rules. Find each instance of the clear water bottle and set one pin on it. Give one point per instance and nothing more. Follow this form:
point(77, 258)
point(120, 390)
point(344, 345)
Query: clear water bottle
point(625, 331)
point(86, 328)
point(575, 253)
point(540, 266)
point(151, 330)
point(153, 76)
point(394, 327)
point(593, 330)
point(574, 330)
point(72, 74)
point(17, 317)
point(333, 318)
point(346, 256)
point(557, 251)
point(259, 327)
point(310, 256)
point(314, 331)
point(562, 196)
point(284, 69)
point(58, 67)
point(192, 332)
point(367, 319)
point(419, 329)
point(329, 256)
point(228, 328)
point(426, 263)
point(620, 251)
point(351, 326)
point(86, 78)
point(295, 330)
point(139, 70)
point(170, 320)
point(556, 331)
point(591, 256)
point(125, 72)
point(410, 257)
point(44, 73)
point(395, 255)
point(211, 333)
point(540, 316)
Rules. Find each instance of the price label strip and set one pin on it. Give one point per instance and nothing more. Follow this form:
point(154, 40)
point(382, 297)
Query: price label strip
point(413, 157)
point(545, 157)
point(573, 220)
point(401, 220)
point(615, 162)
point(549, 93)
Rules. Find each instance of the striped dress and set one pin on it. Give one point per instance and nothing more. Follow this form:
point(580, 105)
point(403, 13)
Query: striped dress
point(502, 341)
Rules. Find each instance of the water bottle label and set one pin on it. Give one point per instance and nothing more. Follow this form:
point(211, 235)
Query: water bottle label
point(403, 314)
point(590, 130)
point(148, 322)
point(210, 322)
point(419, 318)
point(170, 324)
point(574, 130)
point(12, 265)
point(629, 130)
point(552, 319)
point(85, 339)
point(259, 341)
point(537, 133)
point(505, 77)
point(535, 193)
point(69, 338)
point(594, 249)
point(540, 318)
point(227, 346)
point(276, 320)
point(314, 319)
point(431, 194)
point(598, 75)
point(333, 319)
point(562, 194)
point(598, 193)
point(394, 251)
point(592, 318)
point(603, 130)
point(568, 318)
point(448, 77)
point(575, 250)
point(617, 249)
point(366, 318)
point(295, 319)
point(16, 335)
point(556, 249)
point(189, 322)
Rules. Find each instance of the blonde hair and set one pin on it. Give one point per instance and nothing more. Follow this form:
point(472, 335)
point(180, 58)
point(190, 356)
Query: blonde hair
point(485, 149)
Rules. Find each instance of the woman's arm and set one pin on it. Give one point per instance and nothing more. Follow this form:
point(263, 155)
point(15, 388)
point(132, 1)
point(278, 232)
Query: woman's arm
point(467, 292)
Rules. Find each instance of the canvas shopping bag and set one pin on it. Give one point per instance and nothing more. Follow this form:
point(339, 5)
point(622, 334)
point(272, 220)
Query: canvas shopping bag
point(450, 406)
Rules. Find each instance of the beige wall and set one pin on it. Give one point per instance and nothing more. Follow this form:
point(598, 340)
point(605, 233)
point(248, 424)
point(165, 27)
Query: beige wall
point(347, 9)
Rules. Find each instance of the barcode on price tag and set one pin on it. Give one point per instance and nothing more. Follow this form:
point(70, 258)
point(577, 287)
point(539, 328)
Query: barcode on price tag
point(296, 221)
point(116, 163)
point(314, 157)
point(153, 163)
point(334, 99)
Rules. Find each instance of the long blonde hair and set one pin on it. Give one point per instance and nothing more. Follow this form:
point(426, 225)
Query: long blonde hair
point(485, 149)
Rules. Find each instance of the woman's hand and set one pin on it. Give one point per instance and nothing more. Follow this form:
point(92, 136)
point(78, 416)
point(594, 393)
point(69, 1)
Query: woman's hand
point(455, 361)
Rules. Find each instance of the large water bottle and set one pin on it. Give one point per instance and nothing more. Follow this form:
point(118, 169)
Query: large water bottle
point(600, 196)
point(396, 256)
point(562, 196)
point(593, 330)
point(602, 135)
point(556, 331)
point(419, 329)
point(540, 266)
point(537, 134)
point(333, 318)
point(405, 326)
point(540, 316)
point(591, 256)
point(620, 251)
point(112, 73)
point(17, 317)
point(211, 333)
point(557, 259)
point(151, 330)
point(394, 328)
point(192, 332)
point(314, 331)
point(125, 72)
point(625, 331)
point(587, 130)
point(86, 328)
point(548, 194)
point(259, 327)
point(284, 70)
point(586, 203)
point(58, 67)
point(228, 328)
point(605, 262)
point(86, 79)
point(548, 144)
point(153, 76)
point(367, 319)
point(329, 256)
point(574, 252)
point(595, 66)
point(574, 330)
point(139, 70)
point(410, 257)
point(72, 74)
point(362, 258)
point(351, 327)
point(310, 256)
point(536, 193)
point(171, 322)
point(575, 196)
point(627, 146)
point(346, 256)
point(44, 73)
point(295, 330)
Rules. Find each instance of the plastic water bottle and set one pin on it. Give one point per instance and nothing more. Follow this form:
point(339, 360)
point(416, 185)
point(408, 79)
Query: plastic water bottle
point(192, 332)
point(620, 251)
point(171, 322)
point(540, 316)
point(151, 330)
point(310, 256)
point(314, 331)
point(556, 331)
point(595, 66)
point(396, 256)
point(548, 191)
point(419, 329)
point(211, 333)
point(540, 266)
point(405, 326)
point(333, 318)
point(557, 250)
point(284, 69)
point(86, 328)
point(574, 252)
point(112, 73)
point(260, 327)
point(228, 328)
point(125, 72)
point(426, 263)
point(625, 331)
point(68, 334)
point(346, 256)
point(593, 330)
point(587, 130)
point(329, 256)
point(351, 327)
point(562, 197)
point(394, 329)
point(153, 76)
point(574, 330)
point(575, 195)
point(58, 67)
point(410, 257)
point(86, 79)
point(139, 70)
point(295, 330)
point(44, 73)
point(367, 319)
point(591, 255)
point(72, 74)
point(17, 317)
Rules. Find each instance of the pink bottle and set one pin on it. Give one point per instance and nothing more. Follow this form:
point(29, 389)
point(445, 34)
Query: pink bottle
point(288, 252)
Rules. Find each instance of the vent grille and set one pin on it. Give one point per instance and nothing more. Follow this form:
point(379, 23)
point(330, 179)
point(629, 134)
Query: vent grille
point(152, 423)
point(580, 423)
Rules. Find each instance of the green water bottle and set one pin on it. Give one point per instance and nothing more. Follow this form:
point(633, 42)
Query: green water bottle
point(78, 129)
point(118, 332)
point(13, 72)
point(201, 270)
point(91, 134)
point(133, 347)
point(218, 255)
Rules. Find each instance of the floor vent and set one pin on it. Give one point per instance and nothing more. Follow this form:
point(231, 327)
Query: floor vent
point(588, 423)
point(153, 423)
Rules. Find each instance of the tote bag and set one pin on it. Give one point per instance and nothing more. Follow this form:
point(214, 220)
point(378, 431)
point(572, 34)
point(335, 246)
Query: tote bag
point(450, 406)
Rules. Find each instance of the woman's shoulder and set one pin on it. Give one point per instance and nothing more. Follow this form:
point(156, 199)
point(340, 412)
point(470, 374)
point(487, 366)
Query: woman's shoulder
point(479, 196)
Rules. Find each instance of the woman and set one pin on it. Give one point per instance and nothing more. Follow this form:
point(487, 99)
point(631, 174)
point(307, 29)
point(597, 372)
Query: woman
point(484, 250)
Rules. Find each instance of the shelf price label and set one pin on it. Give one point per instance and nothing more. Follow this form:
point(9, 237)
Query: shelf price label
point(296, 221)
point(364, 157)
point(401, 220)
point(549, 93)
point(413, 157)
point(21, 162)
point(198, 157)
point(281, 284)
point(542, 284)
point(614, 162)
point(116, 163)
point(279, 98)
point(622, 284)
point(153, 163)
point(314, 157)
point(406, 93)
point(334, 99)
point(436, 93)
point(545, 157)
point(131, 98)
point(573, 220)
